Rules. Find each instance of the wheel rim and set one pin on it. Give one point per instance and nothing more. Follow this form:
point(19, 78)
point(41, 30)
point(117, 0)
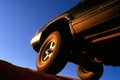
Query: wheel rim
point(83, 70)
point(94, 72)
point(47, 51)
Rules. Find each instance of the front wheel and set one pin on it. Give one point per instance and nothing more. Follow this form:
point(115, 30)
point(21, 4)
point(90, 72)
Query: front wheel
point(91, 72)
point(52, 56)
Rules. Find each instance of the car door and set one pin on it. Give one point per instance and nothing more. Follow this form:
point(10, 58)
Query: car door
point(97, 20)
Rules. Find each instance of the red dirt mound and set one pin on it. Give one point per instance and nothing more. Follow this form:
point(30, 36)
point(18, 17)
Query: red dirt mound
point(9, 71)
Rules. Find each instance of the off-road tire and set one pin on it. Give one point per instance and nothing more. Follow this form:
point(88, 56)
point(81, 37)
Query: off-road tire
point(52, 56)
point(90, 72)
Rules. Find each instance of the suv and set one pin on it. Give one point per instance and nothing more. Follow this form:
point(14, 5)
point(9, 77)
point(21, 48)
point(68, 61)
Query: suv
point(88, 35)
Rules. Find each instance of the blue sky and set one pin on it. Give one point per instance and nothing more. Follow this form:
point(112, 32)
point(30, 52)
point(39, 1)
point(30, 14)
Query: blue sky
point(20, 19)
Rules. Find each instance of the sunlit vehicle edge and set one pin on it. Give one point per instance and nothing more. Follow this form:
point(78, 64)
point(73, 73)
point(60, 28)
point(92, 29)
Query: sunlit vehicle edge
point(87, 35)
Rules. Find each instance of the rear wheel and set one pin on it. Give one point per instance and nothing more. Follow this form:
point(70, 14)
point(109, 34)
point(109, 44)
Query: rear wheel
point(52, 56)
point(91, 72)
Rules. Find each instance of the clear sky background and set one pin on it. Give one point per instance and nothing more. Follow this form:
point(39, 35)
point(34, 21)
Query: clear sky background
point(20, 19)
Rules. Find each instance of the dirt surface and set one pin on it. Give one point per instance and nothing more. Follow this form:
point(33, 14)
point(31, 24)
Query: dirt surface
point(9, 71)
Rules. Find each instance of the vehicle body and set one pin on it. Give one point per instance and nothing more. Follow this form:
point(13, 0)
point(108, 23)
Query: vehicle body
point(87, 34)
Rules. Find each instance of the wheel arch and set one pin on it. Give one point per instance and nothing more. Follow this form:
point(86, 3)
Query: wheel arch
point(62, 24)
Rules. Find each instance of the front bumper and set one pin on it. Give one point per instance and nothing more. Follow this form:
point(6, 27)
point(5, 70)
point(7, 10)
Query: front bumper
point(36, 39)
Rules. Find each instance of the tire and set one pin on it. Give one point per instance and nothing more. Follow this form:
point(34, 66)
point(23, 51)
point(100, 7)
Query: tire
point(52, 56)
point(93, 72)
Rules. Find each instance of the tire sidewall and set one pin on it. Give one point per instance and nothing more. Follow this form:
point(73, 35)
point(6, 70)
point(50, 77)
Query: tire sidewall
point(58, 59)
point(94, 74)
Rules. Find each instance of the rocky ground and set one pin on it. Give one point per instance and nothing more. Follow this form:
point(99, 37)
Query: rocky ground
point(9, 71)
